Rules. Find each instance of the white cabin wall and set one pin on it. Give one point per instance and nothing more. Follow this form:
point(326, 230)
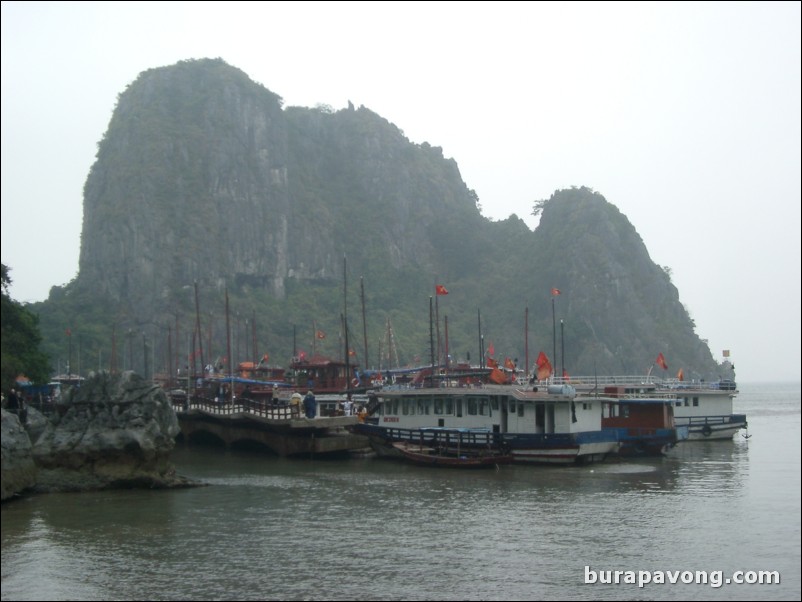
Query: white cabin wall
point(708, 406)
point(587, 419)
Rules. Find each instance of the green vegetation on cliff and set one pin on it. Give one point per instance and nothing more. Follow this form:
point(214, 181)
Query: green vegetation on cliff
point(203, 177)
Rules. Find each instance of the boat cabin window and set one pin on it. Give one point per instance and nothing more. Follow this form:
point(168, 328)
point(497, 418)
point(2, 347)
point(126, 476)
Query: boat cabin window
point(449, 407)
point(521, 410)
point(484, 406)
point(423, 407)
point(587, 406)
point(395, 407)
point(406, 404)
point(624, 410)
point(695, 402)
point(472, 406)
point(459, 408)
point(438, 405)
point(512, 406)
point(494, 404)
point(678, 403)
point(612, 410)
point(686, 402)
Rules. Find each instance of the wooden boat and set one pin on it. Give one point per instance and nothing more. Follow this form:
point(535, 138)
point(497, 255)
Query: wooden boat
point(423, 455)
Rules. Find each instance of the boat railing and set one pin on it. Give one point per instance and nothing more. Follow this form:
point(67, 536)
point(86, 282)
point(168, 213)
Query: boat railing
point(662, 395)
point(702, 420)
point(583, 382)
point(446, 437)
point(264, 409)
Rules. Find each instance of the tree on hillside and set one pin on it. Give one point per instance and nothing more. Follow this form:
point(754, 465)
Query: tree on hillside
point(19, 340)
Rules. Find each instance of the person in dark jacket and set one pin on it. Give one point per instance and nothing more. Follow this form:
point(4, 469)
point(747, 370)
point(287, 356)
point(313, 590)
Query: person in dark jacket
point(310, 404)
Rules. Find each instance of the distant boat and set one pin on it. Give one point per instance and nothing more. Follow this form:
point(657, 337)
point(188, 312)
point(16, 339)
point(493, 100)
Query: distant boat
point(705, 409)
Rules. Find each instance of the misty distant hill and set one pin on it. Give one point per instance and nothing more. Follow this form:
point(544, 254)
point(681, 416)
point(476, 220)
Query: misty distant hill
point(204, 177)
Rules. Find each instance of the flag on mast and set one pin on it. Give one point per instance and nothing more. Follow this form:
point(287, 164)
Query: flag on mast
point(555, 292)
point(544, 369)
point(440, 289)
point(661, 361)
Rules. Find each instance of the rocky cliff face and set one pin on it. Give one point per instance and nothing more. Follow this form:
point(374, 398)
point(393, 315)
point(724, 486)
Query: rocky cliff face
point(203, 176)
point(18, 469)
point(615, 299)
point(190, 183)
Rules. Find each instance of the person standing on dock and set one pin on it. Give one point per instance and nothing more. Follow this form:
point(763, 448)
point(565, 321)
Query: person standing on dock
point(295, 405)
point(310, 404)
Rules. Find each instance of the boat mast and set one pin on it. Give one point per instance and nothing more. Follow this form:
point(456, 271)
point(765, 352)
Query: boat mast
point(364, 323)
point(481, 341)
point(526, 340)
point(445, 321)
point(228, 350)
point(345, 329)
point(198, 330)
point(113, 362)
point(553, 332)
point(431, 342)
point(253, 338)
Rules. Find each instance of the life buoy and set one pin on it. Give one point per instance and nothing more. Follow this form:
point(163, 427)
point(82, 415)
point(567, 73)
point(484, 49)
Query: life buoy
point(706, 430)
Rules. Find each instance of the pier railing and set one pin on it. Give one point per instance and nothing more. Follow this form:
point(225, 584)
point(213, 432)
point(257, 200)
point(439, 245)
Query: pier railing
point(242, 405)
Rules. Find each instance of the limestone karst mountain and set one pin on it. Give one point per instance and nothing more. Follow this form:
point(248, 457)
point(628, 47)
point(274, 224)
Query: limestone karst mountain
point(204, 177)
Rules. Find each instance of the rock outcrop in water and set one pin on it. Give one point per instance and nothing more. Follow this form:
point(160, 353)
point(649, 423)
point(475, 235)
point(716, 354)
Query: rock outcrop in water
point(115, 431)
point(18, 467)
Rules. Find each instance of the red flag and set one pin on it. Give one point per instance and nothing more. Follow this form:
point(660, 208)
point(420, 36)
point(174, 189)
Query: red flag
point(301, 355)
point(508, 363)
point(661, 361)
point(320, 334)
point(491, 350)
point(440, 289)
point(352, 353)
point(555, 292)
point(680, 375)
point(544, 371)
point(565, 375)
point(498, 377)
point(491, 363)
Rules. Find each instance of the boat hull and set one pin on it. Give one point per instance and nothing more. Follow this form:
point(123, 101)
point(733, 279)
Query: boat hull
point(422, 456)
point(713, 427)
point(524, 448)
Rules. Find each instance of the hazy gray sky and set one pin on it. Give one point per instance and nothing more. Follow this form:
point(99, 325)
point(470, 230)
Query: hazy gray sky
point(685, 116)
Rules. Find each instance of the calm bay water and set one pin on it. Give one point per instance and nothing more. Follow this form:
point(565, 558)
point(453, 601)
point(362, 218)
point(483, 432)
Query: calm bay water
point(370, 529)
